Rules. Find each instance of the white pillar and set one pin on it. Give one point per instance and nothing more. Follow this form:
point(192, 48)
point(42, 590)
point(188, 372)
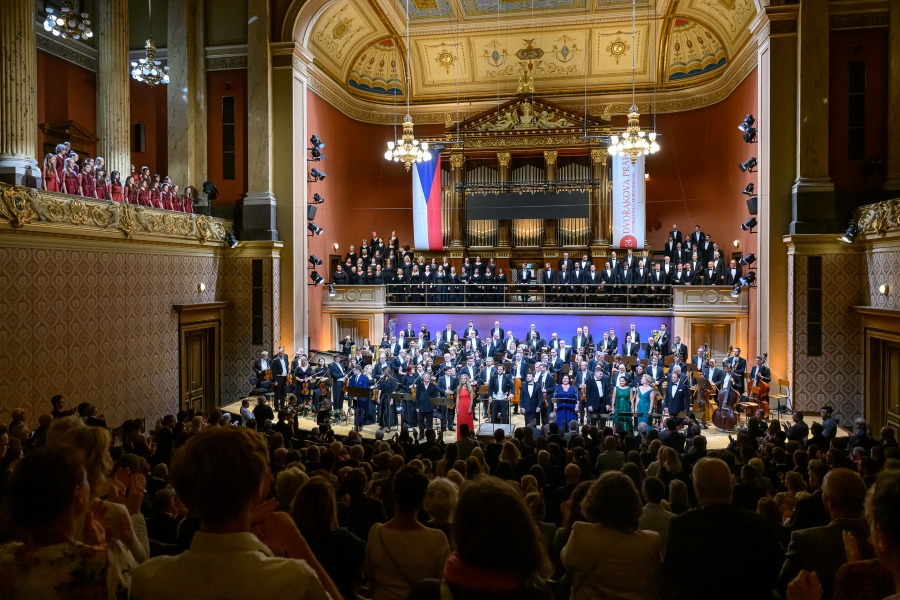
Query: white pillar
point(113, 86)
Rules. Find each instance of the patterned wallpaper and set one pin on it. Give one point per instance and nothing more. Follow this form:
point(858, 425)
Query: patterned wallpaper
point(98, 326)
point(882, 268)
point(835, 377)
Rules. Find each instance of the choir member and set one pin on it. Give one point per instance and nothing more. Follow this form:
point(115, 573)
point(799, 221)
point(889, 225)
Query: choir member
point(115, 187)
point(50, 174)
point(71, 179)
point(102, 186)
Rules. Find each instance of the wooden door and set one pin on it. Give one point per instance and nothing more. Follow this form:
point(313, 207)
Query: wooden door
point(357, 329)
point(717, 335)
point(195, 369)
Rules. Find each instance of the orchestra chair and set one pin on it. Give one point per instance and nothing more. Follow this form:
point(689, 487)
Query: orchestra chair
point(565, 370)
point(782, 384)
point(668, 360)
point(289, 391)
point(749, 407)
point(255, 389)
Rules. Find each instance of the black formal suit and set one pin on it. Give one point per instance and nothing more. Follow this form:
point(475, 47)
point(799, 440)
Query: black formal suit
point(747, 539)
point(280, 368)
point(676, 397)
point(738, 366)
point(585, 265)
point(668, 271)
point(568, 262)
point(534, 345)
point(657, 373)
point(518, 370)
point(677, 236)
point(579, 341)
point(469, 330)
point(669, 248)
point(259, 371)
point(616, 265)
point(809, 512)
point(500, 331)
point(719, 266)
point(597, 398)
point(680, 256)
point(425, 409)
point(737, 383)
point(731, 278)
point(710, 276)
point(716, 376)
point(630, 349)
point(500, 385)
point(697, 238)
point(629, 262)
point(337, 375)
point(663, 343)
point(678, 277)
point(447, 385)
point(444, 338)
point(821, 549)
point(764, 374)
point(683, 350)
point(547, 385)
point(690, 277)
point(609, 276)
point(530, 401)
point(706, 251)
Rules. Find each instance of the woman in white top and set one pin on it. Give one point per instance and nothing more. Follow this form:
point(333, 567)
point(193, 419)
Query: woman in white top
point(403, 552)
point(630, 566)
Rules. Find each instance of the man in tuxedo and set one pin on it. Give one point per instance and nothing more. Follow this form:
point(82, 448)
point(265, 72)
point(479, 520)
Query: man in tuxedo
point(587, 334)
point(689, 276)
point(279, 373)
point(668, 269)
point(670, 246)
point(488, 372)
point(470, 370)
point(607, 345)
point(585, 263)
point(748, 539)
point(799, 431)
point(518, 367)
point(697, 237)
point(531, 329)
point(706, 249)
point(470, 329)
point(534, 342)
point(675, 401)
point(402, 340)
point(733, 273)
point(655, 370)
point(710, 274)
point(760, 369)
point(425, 391)
point(563, 283)
point(640, 279)
point(548, 279)
point(699, 359)
point(555, 363)
point(394, 348)
point(530, 399)
point(676, 235)
point(714, 374)
point(553, 342)
point(680, 349)
point(658, 279)
point(577, 281)
point(447, 335)
point(408, 333)
point(696, 263)
point(338, 376)
point(545, 383)
point(566, 263)
point(680, 255)
point(500, 388)
point(446, 384)
point(495, 347)
point(579, 340)
point(664, 338)
point(738, 364)
point(296, 362)
point(497, 330)
point(630, 261)
point(635, 335)
point(678, 276)
point(564, 352)
point(626, 277)
point(609, 277)
point(523, 277)
point(629, 348)
point(596, 394)
point(259, 370)
point(730, 380)
point(719, 266)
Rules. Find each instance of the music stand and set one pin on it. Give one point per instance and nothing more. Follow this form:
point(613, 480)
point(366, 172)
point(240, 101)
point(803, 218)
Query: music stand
point(491, 412)
point(633, 415)
point(437, 361)
point(630, 362)
point(668, 360)
point(441, 401)
point(356, 393)
point(398, 399)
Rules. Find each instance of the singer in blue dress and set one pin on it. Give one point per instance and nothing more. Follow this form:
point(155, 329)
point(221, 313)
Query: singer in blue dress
point(566, 396)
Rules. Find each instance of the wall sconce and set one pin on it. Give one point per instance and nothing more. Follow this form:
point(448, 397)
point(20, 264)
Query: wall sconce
point(737, 243)
point(336, 246)
point(883, 288)
point(646, 176)
point(201, 287)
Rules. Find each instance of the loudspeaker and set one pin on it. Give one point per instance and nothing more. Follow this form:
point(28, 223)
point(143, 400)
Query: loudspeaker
point(753, 205)
point(311, 211)
point(140, 138)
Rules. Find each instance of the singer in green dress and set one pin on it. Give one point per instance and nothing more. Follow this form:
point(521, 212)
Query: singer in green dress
point(623, 405)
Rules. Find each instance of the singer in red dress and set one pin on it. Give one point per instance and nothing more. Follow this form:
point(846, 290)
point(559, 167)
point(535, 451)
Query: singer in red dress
point(165, 197)
point(51, 179)
point(464, 395)
point(130, 190)
point(71, 179)
point(88, 183)
point(102, 186)
point(154, 196)
point(115, 188)
point(144, 194)
point(61, 155)
point(187, 201)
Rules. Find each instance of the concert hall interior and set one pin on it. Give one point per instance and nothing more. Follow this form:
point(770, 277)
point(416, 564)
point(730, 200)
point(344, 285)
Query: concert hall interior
point(393, 255)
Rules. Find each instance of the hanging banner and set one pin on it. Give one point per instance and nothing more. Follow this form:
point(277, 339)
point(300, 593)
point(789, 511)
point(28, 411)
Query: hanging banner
point(628, 202)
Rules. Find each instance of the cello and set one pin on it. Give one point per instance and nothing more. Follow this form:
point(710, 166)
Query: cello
point(724, 417)
point(763, 397)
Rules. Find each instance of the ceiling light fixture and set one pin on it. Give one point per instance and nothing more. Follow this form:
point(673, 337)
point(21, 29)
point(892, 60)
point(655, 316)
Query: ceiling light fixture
point(68, 23)
point(148, 69)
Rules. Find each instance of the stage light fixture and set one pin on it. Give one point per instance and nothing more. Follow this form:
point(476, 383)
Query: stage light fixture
point(314, 228)
point(748, 165)
point(210, 190)
point(748, 191)
point(747, 124)
point(317, 199)
point(316, 143)
point(331, 291)
point(748, 260)
point(231, 239)
point(316, 278)
point(317, 175)
point(748, 279)
point(316, 154)
point(314, 260)
point(736, 291)
point(749, 224)
point(750, 136)
point(851, 233)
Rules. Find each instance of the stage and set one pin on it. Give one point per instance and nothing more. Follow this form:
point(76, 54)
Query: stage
point(717, 439)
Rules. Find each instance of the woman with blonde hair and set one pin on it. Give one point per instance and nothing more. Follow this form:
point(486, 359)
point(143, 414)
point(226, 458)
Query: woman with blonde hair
point(478, 454)
point(124, 491)
point(646, 396)
point(465, 398)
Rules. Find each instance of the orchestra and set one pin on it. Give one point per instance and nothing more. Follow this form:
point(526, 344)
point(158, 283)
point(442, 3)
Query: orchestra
point(625, 384)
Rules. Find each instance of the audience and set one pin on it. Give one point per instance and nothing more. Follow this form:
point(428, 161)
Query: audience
point(146, 511)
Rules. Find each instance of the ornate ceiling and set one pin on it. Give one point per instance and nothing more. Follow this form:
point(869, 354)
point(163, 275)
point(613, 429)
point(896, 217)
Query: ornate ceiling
point(477, 50)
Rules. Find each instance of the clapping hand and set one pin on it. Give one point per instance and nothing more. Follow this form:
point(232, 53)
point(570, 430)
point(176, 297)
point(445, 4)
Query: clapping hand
point(805, 586)
point(128, 489)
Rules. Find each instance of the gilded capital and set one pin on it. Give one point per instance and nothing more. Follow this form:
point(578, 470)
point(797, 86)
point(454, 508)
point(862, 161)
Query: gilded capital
point(599, 155)
point(504, 158)
point(457, 161)
point(550, 157)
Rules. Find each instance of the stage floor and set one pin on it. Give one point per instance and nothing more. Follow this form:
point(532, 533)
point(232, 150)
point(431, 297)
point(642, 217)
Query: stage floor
point(716, 438)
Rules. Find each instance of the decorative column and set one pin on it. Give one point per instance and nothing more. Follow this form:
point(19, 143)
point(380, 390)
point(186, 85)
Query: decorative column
point(113, 86)
point(186, 97)
point(892, 184)
point(813, 191)
point(600, 197)
point(259, 203)
point(503, 225)
point(550, 175)
point(458, 212)
point(18, 94)
point(775, 29)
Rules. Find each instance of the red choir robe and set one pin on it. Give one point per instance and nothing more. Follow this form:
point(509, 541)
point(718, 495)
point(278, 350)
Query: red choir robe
point(73, 184)
point(166, 199)
point(102, 191)
point(187, 204)
point(154, 199)
point(143, 197)
point(51, 180)
point(115, 192)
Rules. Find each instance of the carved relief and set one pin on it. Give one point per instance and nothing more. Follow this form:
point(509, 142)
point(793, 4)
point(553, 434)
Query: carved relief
point(879, 218)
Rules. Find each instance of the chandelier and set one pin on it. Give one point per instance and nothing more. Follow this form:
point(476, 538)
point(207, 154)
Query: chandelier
point(634, 142)
point(407, 149)
point(68, 24)
point(148, 69)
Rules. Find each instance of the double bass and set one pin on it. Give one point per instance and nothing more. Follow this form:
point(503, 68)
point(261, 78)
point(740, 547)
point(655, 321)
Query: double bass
point(724, 416)
point(763, 397)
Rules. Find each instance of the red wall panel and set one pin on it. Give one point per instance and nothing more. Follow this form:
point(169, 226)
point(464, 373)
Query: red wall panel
point(218, 85)
point(148, 107)
point(65, 92)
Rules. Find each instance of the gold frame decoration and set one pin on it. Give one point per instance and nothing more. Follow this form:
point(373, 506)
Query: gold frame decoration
point(16, 207)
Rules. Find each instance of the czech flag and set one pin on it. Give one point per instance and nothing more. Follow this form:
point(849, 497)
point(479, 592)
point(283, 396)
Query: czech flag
point(427, 216)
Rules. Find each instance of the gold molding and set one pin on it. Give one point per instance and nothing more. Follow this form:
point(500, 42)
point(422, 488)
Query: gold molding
point(457, 161)
point(503, 158)
point(550, 157)
point(599, 155)
point(878, 218)
point(27, 207)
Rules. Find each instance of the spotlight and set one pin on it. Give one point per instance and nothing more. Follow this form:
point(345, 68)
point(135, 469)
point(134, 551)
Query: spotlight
point(747, 124)
point(317, 199)
point(736, 291)
point(316, 278)
point(210, 191)
point(851, 233)
point(750, 136)
point(748, 279)
point(317, 144)
point(749, 224)
point(331, 291)
point(748, 260)
point(231, 239)
point(317, 175)
point(314, 228)
point(316, 154)
point(314, 260)
point(747, 165)
point(748, 191)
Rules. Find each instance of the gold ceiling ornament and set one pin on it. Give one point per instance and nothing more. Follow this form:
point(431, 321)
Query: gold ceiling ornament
point(617, 48)
point(634, 142)
point(445, 58)
point(526, 83)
